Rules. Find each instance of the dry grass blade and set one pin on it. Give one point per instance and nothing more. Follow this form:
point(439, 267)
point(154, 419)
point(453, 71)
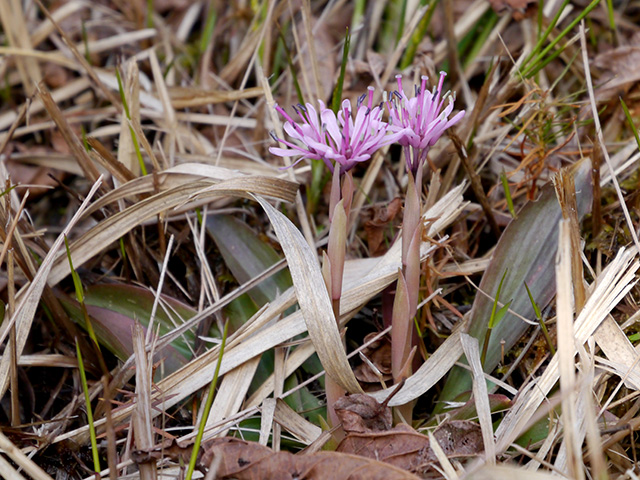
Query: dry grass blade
point(429, 373)
point(601, 142)
point(611, 286)
point(231, 394)
point(295, 424)
point(79, 152)
point(567, 349)
point(506, 472)
point(188, 173)
point(30, 296)
point(471, 349)
point(17, 34)
point(8, 471)
point(100, 236)
point(131, 92)
point(20, 459)
point(313, 299)
point(142, 417)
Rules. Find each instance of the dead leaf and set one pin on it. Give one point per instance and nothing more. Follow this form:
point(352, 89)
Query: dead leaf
point(379, 354)
point(409, 449)
point(621, 68)
point(376, 227)
point(243, 460)
point(362, 413)
point(519, 8)
point(324, 62)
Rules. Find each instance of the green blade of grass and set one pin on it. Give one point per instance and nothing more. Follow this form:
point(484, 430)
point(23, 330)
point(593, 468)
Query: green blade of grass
point(87, 400)
point(207, 407)
point(507, 194)
point(543, 326)
point(543, 36)
point(209, 26)
point(630, 120)
point(535, 65)
point(492, 318)
point(337, 91)
point(125, 105)
point(403, 12)
point(418, 34)
point(495, 317)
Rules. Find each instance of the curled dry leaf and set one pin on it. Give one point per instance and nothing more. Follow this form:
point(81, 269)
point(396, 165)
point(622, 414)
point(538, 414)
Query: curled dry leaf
point(380, 222)
point(313, 299)
point(519, 8)
point(406, 448)
point(362, 413)
point(379, 354)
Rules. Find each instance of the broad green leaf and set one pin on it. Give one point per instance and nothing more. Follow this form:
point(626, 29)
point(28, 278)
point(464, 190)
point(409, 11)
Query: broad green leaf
point(247, 256)
point(114, 308)
point(527, 248)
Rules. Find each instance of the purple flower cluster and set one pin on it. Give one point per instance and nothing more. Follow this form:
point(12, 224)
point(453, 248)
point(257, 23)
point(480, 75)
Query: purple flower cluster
point(420, 119)
point(343, 140)
point(336, 139)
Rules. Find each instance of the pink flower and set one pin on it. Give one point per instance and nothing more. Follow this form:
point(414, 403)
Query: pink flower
point(420, 121)
point(336, 139)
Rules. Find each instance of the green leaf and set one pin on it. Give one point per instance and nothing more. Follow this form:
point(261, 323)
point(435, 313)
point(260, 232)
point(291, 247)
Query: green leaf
point(492, 321)
point(113, 309)
point(527, 248)
point(501, 313)
point(248, 256)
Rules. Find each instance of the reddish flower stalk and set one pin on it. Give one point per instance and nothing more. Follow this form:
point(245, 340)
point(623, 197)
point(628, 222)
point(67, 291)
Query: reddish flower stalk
point(341, 141)
point(420, 121)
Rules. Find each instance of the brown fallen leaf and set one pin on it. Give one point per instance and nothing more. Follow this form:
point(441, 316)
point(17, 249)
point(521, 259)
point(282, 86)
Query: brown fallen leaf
point(379, 354)
point(621, 70)
point(406, 448)
point(362, 413)
point(241, 460)
point(519, 8)
point(375, 228)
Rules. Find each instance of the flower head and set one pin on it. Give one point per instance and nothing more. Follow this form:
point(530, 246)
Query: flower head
point(336, 139)
point(420, 121)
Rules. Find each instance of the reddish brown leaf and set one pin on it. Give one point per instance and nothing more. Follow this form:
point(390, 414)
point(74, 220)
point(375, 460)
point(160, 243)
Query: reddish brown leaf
point(379, 354)
point(519, 8)
point(250, 461)
point(361, 413)
point(408, 449)
point(375, 228)
point(241, 460)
